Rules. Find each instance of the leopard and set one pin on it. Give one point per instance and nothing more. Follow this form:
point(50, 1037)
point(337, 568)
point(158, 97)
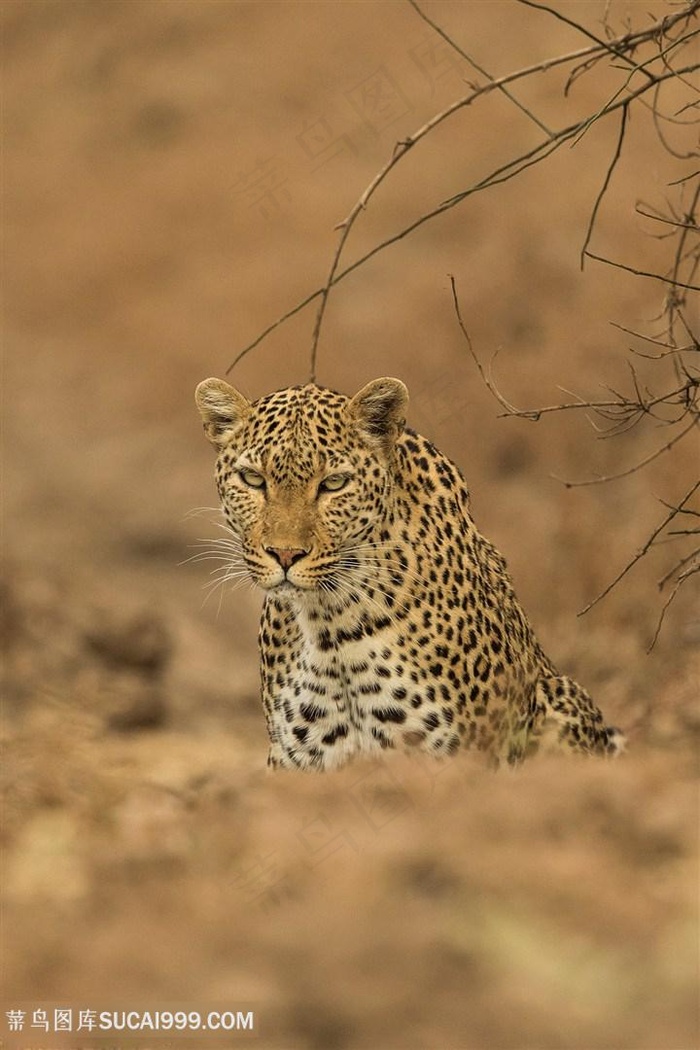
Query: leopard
point(388, 620)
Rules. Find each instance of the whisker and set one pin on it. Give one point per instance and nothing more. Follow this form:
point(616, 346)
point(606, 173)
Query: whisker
point(349, 583)
point(396, 575)
point(376, 552)
point(198, 512)
point(227, 528)
point(343, 597)
point(217, 545)
point(371, 546)
point(366, 577)
point(234, 579)
point(232, 571)
point(209, 555)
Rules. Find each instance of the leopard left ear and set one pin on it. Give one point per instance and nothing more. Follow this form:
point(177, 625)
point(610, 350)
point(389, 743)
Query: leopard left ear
point(222, 409)
point(380, 409)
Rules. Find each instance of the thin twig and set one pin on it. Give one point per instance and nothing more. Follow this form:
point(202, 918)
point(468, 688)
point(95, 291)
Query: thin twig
point(677, 586)
point(547, 147)
point(643, 273)
point(685, 178)
point(510, 409)
point(606, 181)
point(618, 51)
point(649, 339)
point(275, 324)
point(683, 561)
point(642, 551)
point(622, 405)
point(692, 225)
point(472, 62)
point(673, 304)
point(637, 466)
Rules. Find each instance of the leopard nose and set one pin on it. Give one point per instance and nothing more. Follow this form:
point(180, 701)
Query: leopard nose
point(286, 556)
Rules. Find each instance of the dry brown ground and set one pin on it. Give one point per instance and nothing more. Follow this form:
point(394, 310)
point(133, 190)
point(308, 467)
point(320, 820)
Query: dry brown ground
point(148, 859)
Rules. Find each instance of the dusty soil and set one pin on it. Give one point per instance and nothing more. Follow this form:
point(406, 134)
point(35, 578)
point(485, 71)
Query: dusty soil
point(172, 176)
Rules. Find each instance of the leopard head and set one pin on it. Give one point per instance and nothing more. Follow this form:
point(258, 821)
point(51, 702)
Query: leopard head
point(305, 477)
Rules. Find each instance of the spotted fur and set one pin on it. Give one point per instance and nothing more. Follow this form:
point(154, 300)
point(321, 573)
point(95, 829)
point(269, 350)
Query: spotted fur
point(389, 621)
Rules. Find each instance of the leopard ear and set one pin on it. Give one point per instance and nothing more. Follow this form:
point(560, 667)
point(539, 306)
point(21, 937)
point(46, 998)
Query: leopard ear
point(222, 409)
point(380, 409)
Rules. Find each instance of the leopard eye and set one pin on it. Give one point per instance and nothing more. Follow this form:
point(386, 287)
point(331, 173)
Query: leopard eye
point(251, 478)
point(333, 483)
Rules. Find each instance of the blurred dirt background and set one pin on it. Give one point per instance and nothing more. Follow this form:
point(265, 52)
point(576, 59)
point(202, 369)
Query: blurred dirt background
point(173, 172)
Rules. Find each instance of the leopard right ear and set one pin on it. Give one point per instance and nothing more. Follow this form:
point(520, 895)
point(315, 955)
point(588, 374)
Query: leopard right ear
point(380, 410)
point(222, 409)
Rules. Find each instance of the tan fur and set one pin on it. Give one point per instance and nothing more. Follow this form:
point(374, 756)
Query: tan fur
point(389, 621)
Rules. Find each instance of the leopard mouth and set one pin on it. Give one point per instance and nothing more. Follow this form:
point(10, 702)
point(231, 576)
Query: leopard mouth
point(288, 586)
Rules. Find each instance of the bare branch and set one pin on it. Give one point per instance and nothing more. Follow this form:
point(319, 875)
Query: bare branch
point(624, 411)
point(684, 576)
point(643, 273)
point(400, 150)
point(510, 170)
point(643, 550)
point(674, 303)
point(510, 410)
point(271, 327)
point(606, 181)
point(677, 568)
point(472, 62)
point(685, 178)
point(649, 339)
point(637, 466)
point(690, 225)
point(615, 47)
point(533, 156)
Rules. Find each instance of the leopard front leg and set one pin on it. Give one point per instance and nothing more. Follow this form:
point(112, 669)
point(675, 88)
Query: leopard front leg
point(565, 718)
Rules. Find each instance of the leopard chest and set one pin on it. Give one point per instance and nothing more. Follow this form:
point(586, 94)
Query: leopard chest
point(349, 689)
